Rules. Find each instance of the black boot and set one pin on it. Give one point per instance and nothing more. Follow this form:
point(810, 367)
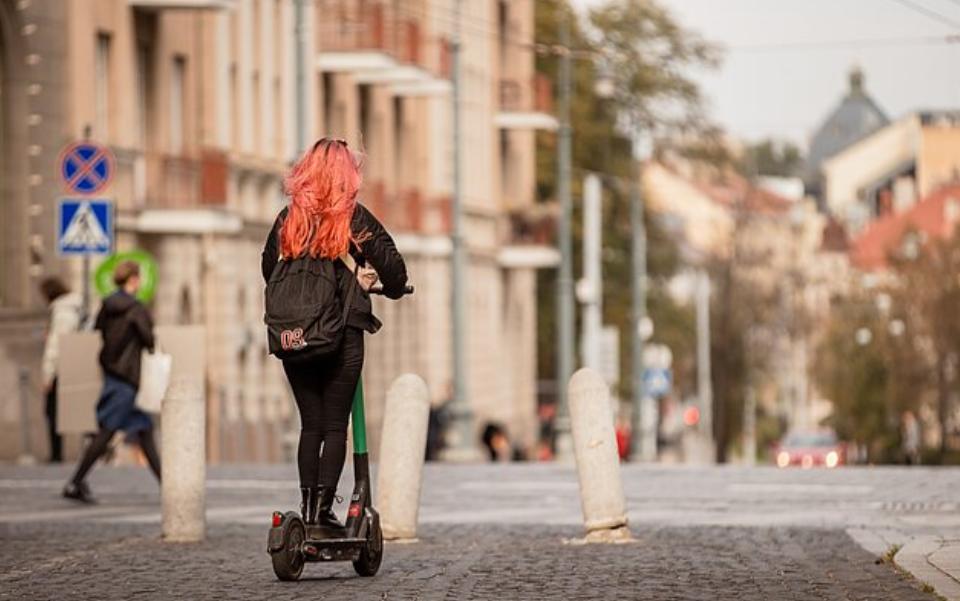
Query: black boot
point(325, 516)
point(309, 498)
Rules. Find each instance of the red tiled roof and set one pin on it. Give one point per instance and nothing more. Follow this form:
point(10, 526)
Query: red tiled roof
point(870, 250)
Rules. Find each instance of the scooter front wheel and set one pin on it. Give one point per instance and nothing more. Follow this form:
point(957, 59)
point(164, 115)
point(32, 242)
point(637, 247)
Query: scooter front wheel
point(288, 560)
point(368, 564)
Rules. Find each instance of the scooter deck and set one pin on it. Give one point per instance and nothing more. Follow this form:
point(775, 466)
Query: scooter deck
point(333, 549)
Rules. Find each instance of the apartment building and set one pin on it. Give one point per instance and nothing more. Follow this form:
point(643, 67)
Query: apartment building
point(197, 100)
point(383, 84)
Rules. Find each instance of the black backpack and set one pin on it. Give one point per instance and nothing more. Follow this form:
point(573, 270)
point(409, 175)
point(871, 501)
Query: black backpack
point(305, 315)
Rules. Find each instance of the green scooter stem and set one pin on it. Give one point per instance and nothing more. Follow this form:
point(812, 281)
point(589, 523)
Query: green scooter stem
point(359, 421)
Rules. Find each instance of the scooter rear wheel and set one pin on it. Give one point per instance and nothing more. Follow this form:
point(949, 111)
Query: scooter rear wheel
point(368, 564)
point(288, 561)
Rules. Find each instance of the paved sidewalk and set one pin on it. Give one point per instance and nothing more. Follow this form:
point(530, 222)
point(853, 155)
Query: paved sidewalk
point(934, 561)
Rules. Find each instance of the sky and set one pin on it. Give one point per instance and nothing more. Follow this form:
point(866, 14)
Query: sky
point(766, 88)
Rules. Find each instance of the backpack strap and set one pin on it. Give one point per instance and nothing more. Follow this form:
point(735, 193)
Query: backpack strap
point(351, 265)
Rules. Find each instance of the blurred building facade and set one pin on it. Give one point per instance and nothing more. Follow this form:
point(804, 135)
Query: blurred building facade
point(197, 100)
point(856, 117)
point(888, 171)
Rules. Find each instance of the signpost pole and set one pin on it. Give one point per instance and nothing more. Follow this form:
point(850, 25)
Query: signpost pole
point(85, 314)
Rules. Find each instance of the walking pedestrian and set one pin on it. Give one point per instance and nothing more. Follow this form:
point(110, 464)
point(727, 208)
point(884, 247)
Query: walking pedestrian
point(910, 438)
point(65, 310)
point(312, 240)
point(127, 329)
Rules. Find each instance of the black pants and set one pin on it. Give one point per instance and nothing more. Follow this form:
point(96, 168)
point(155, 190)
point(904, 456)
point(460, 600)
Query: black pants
point(324, 394)
point(56, 441)
point(98, 446)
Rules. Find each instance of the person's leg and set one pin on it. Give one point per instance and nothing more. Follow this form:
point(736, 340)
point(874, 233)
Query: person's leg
point(94, 450)
point(56, 441)
point(305, 381)
point(77, 488)
point(337, 402)
point(149, 446)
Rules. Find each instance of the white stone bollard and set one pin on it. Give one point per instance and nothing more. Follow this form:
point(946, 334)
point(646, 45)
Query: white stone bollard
point(402, 447)
point(183, 436)
point(598, 464)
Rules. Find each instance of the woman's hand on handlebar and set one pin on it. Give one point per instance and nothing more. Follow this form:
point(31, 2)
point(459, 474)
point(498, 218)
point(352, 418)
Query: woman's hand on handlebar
point(367, 277)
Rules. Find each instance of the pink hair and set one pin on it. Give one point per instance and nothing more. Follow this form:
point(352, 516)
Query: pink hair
point(323, 187)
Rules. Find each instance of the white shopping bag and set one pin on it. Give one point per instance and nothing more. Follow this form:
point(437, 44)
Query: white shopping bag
point(154, 379)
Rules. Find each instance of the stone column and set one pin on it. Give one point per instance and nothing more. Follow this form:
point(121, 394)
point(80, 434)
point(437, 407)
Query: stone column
point(402, 448)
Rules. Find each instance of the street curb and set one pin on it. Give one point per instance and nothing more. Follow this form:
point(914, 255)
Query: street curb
point(915, 557)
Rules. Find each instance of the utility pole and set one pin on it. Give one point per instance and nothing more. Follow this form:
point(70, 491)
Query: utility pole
point(461, 412)
point(704, 386)
point(590, 289)
point(565, 308)
point(300, 50)
point(750, 425)
point(643, 441)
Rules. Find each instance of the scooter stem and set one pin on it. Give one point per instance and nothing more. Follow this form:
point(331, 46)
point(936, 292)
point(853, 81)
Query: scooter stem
point(359, 421)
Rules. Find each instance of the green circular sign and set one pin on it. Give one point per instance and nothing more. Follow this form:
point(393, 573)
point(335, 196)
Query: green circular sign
point(103, 278)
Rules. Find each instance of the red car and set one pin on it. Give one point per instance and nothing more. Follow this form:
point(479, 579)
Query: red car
point(818, 448)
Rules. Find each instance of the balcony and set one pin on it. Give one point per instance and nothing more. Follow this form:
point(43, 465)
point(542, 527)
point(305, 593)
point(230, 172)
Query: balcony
point(368, 39)
point(526, 104)
point(530, 239)
point(180, 182)
point(408, 211)
point(155, 5)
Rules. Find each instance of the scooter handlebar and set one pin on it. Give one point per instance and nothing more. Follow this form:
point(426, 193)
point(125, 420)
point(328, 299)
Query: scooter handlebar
point(407, 290)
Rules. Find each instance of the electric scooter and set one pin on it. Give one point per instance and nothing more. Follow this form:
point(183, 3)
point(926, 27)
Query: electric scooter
point(292, 543)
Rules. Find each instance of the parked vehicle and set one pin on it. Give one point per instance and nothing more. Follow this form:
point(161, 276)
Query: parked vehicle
point(807, 449)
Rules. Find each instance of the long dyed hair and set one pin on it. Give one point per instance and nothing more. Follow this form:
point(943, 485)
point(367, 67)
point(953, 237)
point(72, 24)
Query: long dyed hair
point(323, 187)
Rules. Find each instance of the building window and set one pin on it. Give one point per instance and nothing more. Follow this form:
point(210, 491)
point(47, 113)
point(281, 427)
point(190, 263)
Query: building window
point(399, 141)
point(233, 108)
point(365, 115)
point(329, 92)
point(277, 113)
point(144, 69)
point(257, 111)
point(101, 122)
point(177, 84)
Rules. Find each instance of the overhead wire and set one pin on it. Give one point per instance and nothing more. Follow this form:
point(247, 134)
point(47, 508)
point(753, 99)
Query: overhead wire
point(443, 13)
point(853, 43)
point(918, 8)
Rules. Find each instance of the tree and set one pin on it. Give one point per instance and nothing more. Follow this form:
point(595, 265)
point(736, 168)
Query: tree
point(853, 369)
point(649, 55)
point(746, 320)
point(772, 157)
point(601, 145)
point(928, 294)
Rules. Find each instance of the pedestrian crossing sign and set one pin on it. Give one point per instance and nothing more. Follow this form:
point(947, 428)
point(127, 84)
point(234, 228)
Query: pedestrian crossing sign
point(84, 226)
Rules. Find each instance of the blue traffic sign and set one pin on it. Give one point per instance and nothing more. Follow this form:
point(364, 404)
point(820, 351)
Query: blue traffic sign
point(657, 382)
point(84, 226)
point(86, 167)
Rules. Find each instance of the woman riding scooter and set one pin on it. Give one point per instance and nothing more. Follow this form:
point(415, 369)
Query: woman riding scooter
point(325, 223)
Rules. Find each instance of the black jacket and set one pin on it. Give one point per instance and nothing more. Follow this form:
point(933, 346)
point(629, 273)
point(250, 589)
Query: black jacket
point(377, 249)
point(127, 329)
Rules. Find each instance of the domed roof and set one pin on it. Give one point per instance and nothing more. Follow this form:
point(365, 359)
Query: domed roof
point(855, 118)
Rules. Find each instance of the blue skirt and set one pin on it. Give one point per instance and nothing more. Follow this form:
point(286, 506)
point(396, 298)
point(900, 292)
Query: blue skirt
point(116, 409)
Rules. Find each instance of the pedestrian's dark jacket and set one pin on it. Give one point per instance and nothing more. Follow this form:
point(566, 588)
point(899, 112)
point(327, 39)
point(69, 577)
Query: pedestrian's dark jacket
point(127, 329)
point(376, 249)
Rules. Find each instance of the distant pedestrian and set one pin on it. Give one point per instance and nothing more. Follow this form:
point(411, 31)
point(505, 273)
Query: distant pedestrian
point(496, 442)
point(127, 329)
point(65, 310)
point(910, 437)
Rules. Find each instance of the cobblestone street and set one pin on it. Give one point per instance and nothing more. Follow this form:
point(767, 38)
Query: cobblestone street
point(56, 550)
point(456, 562)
